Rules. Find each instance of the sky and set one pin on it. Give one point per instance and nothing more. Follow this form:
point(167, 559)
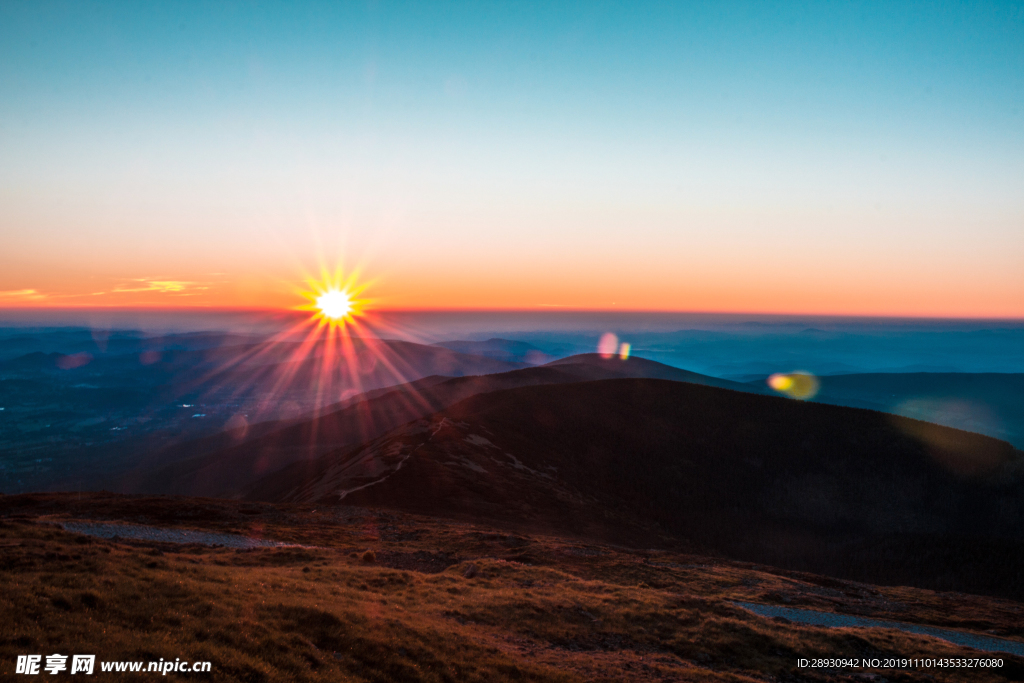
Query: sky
point(807, 158)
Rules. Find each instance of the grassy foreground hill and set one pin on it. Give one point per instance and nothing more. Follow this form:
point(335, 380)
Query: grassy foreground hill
point(385, 596)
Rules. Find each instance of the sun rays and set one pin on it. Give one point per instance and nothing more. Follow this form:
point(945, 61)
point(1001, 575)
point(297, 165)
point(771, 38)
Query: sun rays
point(335, 347)
point(334, 298)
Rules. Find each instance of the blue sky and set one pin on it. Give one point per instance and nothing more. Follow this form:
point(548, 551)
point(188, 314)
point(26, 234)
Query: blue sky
point(544, 148)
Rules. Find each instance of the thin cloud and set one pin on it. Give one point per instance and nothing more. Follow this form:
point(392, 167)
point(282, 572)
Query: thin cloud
point(179, 287)
point(22, 294)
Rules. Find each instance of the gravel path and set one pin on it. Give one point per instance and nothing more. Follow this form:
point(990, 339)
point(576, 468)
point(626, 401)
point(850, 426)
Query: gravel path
point(816, 618)
point(139, 532)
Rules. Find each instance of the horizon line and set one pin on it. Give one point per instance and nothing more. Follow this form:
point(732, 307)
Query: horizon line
point(546, 310)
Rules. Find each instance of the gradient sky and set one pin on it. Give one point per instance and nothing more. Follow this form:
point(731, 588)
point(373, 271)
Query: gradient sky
point(837, 158)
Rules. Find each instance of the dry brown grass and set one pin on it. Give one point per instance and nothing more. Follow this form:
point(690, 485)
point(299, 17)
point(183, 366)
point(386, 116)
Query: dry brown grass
point(537, 609)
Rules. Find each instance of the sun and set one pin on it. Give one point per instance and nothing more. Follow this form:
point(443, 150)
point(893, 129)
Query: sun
point(334, 304)
point(333, 298)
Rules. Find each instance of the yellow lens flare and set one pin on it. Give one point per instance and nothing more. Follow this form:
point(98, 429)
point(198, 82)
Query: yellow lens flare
point(798, 385)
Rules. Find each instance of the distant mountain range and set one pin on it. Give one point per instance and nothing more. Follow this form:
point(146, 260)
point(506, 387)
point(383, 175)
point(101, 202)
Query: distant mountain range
point(987, 403)
point(502, 349)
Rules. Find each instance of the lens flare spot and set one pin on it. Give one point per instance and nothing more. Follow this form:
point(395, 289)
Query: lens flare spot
point(607, 345)
point(799, 385)
point(780, 382)
point(624, 350)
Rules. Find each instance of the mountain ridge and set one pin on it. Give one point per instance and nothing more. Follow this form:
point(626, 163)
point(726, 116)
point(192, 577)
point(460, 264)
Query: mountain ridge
point(226, 472)
point(741, 474)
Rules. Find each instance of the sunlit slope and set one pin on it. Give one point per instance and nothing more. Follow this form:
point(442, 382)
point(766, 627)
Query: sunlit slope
point(753, 476)
point(377, 596)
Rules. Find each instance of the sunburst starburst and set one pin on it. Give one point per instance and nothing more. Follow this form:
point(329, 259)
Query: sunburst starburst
point(334, 299)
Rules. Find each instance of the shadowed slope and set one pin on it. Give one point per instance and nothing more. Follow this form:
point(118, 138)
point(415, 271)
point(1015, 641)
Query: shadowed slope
point(744, 474)
point(228, 471)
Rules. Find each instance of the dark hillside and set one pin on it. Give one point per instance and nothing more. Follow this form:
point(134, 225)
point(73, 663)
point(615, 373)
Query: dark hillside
point(754, 477)
point(228, 470)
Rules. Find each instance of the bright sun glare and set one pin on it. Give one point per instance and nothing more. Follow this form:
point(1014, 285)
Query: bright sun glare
point(333, 299)
point(334, 304)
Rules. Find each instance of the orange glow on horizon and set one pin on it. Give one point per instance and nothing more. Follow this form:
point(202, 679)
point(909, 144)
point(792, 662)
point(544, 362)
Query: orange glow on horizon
point(418, 287)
